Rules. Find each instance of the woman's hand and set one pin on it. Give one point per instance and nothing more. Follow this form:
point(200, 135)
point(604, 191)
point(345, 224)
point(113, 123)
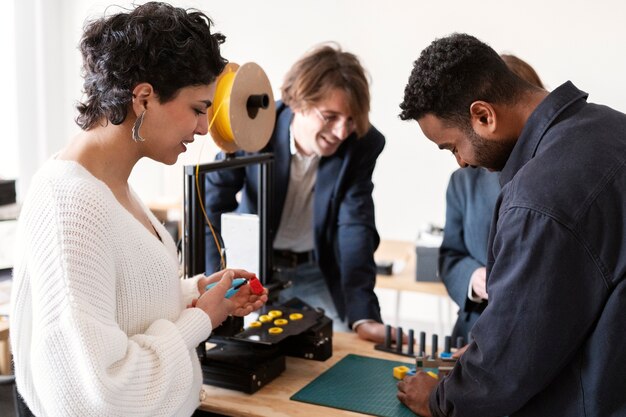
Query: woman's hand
point(204, 281)
point(214, 303)
point(247, 301)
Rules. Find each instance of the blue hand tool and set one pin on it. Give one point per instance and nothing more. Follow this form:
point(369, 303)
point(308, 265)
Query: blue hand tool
point(234, 287)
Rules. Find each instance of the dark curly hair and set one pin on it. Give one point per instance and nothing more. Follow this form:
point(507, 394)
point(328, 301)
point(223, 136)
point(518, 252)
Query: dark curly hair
point(452, 73)
point(166, 46)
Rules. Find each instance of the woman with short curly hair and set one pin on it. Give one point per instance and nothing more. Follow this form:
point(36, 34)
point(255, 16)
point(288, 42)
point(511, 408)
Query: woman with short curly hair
point(101, 323)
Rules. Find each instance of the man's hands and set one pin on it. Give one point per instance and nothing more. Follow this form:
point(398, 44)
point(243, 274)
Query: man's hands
point(414, 391)
point(479, 283)
point(372, 331)
point(214, 303)
point(375, 332)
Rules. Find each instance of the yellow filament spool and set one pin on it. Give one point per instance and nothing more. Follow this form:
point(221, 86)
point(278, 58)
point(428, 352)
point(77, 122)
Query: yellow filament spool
point(243, 113)
point(222, 99)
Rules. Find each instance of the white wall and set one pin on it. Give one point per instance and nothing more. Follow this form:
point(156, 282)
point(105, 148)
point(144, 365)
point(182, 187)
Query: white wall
point(8, 161)
point(562, 39)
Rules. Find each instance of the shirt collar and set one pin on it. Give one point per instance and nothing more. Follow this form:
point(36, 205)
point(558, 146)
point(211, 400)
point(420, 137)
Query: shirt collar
point(537, 125)
point(294, 149)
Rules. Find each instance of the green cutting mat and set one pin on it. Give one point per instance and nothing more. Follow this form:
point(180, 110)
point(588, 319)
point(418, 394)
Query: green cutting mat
point(358, 383)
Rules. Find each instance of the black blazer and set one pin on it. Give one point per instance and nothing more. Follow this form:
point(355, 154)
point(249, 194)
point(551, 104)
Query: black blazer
point(343, 214)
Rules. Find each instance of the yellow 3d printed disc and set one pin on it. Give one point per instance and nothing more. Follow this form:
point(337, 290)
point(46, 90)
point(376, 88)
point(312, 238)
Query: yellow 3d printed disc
point(275, 330)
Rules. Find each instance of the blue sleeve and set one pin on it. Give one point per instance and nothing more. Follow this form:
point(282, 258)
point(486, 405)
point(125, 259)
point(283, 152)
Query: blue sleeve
point(545, 294)
point(357, 237)
point(456, 264)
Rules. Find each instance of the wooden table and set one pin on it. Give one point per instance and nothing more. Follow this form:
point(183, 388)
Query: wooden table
point(403, 280)
point(403, 254)
point(273, 399)
point(5, 351)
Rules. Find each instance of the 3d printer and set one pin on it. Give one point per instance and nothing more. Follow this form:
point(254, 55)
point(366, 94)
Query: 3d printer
point(242, 117)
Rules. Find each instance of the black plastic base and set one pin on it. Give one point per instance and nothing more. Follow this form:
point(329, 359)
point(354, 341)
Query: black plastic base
point(241, 367)
point(248, 359)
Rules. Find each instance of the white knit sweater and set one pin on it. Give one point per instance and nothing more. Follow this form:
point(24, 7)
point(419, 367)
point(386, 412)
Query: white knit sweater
point(98, 323)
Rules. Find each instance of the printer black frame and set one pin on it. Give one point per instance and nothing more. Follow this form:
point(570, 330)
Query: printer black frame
point(194, 234)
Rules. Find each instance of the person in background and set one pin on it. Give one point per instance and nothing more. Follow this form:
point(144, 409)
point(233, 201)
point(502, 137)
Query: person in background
point(101, 323)
point(470, 200)
point(324, 231)
point(551, 341)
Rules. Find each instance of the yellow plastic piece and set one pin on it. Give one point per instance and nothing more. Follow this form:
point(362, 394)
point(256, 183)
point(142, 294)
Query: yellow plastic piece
point(256, 324)
point(222, 96)
point(275, 314)
point(265, 318)
point(434, 375)
point(280, 322)
point(275, 330)
point(295, 316)
point(399, 372)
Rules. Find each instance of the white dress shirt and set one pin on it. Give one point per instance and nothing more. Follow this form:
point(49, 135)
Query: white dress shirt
point(295, 232)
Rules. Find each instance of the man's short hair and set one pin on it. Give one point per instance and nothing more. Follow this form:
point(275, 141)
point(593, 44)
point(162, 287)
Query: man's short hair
point(452, 73)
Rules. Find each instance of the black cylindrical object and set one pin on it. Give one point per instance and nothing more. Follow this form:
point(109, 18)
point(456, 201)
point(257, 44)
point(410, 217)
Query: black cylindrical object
point(399, 339)
point(446, 344)
point(422, 351)
point(256, 102)
point(387, 336)
point(460, 342)
point(434, 347)
point(411, 341)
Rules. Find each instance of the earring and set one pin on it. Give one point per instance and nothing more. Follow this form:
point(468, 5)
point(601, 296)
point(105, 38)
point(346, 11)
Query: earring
point(135, 132)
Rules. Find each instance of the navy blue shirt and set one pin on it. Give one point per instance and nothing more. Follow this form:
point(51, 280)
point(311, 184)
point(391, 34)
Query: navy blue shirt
point(552, 341)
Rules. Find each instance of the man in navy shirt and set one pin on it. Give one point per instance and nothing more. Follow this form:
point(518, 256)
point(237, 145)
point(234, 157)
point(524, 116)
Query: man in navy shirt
point(552, 340)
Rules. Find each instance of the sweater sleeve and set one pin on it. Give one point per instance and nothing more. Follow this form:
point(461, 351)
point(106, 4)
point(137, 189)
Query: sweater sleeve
point(540, 310)
point(82, 361)
point(189, 289)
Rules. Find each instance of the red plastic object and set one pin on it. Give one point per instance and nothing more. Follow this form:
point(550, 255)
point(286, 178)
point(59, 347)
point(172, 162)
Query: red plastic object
point(255, 286)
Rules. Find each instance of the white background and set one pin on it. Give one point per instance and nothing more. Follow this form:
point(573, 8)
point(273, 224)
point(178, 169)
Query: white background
point(562, 39)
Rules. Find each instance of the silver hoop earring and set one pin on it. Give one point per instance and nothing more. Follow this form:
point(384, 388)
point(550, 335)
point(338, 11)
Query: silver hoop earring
point(135, 133)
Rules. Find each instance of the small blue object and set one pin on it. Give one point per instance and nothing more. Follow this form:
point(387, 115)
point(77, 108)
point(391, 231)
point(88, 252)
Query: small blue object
point(411, 372)
point(234, 287)
point(445, 355)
